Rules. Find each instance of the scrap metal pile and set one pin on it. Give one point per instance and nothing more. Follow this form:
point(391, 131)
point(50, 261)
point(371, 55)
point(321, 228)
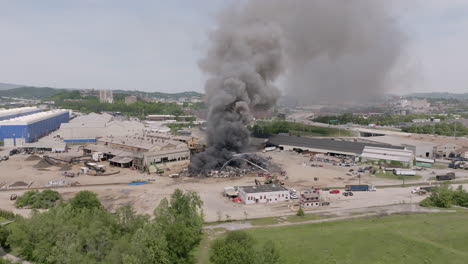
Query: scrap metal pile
point(240, 165)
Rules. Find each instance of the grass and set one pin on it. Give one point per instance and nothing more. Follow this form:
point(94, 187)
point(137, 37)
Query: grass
point(306, 217)
point(418, 238)
point(264, 221)
point(391, 175)
point(421, 238)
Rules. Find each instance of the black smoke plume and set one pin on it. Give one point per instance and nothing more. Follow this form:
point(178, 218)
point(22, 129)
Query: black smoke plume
point(332, 50)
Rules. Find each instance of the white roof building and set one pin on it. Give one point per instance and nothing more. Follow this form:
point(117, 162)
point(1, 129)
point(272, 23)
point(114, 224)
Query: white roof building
point(33, 118)
point(374, 153)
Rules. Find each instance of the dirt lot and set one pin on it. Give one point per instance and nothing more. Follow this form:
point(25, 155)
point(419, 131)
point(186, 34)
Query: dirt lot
point(145, 198)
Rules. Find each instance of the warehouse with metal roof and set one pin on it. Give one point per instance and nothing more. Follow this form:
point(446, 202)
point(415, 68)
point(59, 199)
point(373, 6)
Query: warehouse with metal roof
point(401, 155)
point(29, 128)
point(6, 114)
point(323, 145)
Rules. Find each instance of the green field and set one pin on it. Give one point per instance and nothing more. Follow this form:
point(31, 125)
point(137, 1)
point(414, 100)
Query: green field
point(419, 238)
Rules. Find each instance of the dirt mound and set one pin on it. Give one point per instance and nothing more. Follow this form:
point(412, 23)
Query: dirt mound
point(42, 164)
point(33, 157)
point(19, 184)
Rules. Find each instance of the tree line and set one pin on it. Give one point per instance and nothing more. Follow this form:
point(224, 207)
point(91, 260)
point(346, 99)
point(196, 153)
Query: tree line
point(381, 120)
point(82, 231)
point(268, 128)
point(92, 104)
point(443, 129)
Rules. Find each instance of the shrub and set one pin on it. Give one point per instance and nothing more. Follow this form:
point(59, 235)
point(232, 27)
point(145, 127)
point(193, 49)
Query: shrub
point(38, 200)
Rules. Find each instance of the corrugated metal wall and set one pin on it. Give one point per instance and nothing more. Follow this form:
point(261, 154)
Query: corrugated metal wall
point(39, 129)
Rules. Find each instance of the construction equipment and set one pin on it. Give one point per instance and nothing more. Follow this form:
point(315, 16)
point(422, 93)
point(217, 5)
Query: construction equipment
point(153, 168)
point(273, 180)
point(99, 169)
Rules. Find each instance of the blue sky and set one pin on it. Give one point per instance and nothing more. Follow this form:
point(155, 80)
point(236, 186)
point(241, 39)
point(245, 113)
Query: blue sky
point(154, 45)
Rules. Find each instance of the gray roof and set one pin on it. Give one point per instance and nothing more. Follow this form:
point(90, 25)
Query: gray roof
point(323, 143)
point(263, 188)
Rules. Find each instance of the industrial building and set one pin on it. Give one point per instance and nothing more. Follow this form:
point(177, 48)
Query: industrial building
point(406, 157)
point(29, 128)
point(86, 128)
point(138, 151)
point(267, 193)
point(6, 114)
point(423, 149)
point(322, 145)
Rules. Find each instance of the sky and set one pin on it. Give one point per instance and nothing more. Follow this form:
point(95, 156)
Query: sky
point(153, 45)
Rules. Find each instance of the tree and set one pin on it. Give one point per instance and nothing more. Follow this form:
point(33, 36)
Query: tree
point(236, 248)
point(148, 246)
point(85, 199)
point(181, 222)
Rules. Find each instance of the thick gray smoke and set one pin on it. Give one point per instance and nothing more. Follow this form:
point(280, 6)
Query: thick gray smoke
point(327, 50)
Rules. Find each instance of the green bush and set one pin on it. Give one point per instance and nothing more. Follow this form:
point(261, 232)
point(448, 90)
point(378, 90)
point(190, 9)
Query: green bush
point(300, 212)
point(38, 200)
point(445, 197)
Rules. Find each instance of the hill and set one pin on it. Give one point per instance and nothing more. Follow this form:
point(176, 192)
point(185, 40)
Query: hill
point(31, 92)
point(160, 94)
point(444, 95)
point(6, 86)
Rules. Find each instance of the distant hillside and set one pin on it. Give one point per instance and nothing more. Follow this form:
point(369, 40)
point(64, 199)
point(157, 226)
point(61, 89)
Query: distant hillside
point(461, 96)
point(159, 94)
point(47, 92)
point(31, 92)
point(6, 86)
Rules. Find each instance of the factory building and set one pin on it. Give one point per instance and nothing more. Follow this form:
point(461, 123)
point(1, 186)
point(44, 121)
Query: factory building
point(6, 114)
point(29, 128)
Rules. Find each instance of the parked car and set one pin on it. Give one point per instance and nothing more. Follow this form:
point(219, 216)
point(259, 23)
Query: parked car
point(334, 191)
point(237, 200)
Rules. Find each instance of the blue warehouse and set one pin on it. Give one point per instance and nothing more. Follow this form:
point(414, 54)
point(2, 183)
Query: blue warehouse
point(29, 128)
point(6, 114)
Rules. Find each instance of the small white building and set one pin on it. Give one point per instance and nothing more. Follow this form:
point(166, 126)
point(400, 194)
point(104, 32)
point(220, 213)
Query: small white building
point(267, 193)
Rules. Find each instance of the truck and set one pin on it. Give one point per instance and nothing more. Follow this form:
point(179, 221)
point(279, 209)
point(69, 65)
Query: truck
point(447, 177)
point(359, 188)
point(401, 172)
